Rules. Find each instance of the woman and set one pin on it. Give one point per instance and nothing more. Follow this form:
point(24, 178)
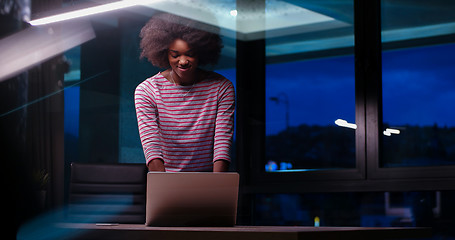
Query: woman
point(185, 114)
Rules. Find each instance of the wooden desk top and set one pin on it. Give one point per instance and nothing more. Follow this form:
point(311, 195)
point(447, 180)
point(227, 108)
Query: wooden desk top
point(138, 231)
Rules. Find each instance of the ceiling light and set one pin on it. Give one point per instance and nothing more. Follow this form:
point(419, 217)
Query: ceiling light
point(90, 11)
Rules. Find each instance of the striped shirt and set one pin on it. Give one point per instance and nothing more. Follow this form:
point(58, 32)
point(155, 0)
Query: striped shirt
point(188, 127)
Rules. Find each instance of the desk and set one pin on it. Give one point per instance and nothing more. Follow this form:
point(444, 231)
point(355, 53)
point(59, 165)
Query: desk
point(137, 231)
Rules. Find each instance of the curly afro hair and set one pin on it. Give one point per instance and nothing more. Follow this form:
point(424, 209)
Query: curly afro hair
point(163, 29)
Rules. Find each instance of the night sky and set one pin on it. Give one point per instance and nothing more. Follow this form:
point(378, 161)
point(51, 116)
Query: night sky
point(418, 89)
point(419, 86)
point(320, 91)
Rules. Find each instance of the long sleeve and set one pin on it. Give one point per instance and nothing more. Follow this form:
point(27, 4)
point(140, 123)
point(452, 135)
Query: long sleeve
point(224, 123)
point(148, 123)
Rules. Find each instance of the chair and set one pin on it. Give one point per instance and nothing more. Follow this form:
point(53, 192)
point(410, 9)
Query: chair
point(107, 193)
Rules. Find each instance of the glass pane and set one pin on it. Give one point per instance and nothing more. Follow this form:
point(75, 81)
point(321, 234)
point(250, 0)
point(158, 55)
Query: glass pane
point(418, 83)
point(310, 88)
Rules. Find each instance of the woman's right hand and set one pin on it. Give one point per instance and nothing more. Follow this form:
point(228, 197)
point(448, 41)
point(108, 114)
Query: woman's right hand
point(156, 165)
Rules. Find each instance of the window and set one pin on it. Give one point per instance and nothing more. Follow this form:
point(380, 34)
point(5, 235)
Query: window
point(303, 103)
point(71, 109)
point(417, 85)
point(418, 98)
point(310, 89)
point(399, 102)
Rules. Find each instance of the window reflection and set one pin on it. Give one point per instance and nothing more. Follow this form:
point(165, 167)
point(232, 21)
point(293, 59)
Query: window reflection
point(367, 209)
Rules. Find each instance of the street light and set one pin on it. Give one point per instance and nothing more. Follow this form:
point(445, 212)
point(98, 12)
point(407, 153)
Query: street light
point(283, 98)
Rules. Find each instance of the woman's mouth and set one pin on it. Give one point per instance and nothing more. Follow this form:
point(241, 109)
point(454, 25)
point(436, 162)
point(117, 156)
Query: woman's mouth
point(184, 68)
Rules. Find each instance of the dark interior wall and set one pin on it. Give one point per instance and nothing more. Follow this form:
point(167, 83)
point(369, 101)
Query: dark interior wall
point(99, 96)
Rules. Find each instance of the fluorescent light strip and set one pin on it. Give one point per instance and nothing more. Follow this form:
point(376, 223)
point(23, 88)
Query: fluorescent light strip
point(89, 11)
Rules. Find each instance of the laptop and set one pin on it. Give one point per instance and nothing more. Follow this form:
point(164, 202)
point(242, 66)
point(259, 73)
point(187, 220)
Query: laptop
point(191, 199)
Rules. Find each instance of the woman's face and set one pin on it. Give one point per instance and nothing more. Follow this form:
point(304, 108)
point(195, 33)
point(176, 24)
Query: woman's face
point(183, 60)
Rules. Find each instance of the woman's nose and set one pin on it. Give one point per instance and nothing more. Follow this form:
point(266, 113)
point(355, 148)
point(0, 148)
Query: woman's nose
point(183, 61)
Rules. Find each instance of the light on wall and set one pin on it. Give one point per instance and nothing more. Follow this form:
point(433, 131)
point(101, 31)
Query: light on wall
point(389, 131)
point(344, 123)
